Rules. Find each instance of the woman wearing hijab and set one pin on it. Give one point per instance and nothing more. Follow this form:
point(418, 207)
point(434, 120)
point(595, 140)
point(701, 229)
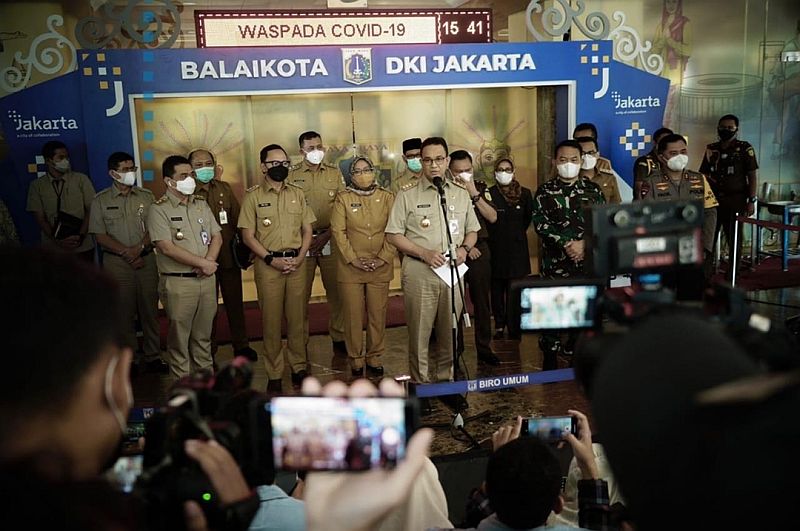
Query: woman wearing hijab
point(366, 264)
point(508, 241)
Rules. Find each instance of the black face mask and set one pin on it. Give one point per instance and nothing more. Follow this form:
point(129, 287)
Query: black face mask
point(278, 173)
point(726, 134)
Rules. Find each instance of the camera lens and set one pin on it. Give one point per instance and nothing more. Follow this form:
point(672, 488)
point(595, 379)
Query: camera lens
point(621, 218)
point(689, 213)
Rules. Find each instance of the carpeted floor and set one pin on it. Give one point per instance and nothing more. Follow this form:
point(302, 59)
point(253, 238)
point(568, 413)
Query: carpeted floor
point(767, 275)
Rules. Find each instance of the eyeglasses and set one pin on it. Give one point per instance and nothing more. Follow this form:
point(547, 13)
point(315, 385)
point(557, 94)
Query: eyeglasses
point(365, 171)
point(427, 161)
point(594, 152)
point(508, 169)
point(273, 163)
point(123, 170)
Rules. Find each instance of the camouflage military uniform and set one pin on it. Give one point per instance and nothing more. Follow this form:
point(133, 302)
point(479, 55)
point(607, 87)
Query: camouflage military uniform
point(558, 218)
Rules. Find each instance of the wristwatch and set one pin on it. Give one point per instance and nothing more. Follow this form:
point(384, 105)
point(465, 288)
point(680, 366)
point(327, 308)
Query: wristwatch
point(268, 258)
point(475, 198)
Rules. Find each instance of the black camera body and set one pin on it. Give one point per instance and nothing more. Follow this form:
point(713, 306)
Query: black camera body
point(644, 237)
point(203, 406)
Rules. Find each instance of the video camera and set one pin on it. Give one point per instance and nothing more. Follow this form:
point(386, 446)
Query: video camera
point(203, 406)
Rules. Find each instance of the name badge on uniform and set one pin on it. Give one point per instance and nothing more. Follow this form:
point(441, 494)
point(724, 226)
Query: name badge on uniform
point(454, 226)
point(204, 237)
point(223, 217)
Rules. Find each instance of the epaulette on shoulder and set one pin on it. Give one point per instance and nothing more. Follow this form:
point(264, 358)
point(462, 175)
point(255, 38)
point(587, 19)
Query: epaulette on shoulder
point(294, 185)
point(294, 167)
point(408, 186)
point(253, 188)
point(199, 198)
point(145, 190)
point(161, 199)
point(101, 192)
point(331, 166)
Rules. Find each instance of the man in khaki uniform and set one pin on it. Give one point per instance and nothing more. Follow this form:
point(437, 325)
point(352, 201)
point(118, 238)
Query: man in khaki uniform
point(117, 221)
point(320, 183)
point(416, 228)
point(223, 203)
point(65, 191)
point(188, 240)
point(276, 225)
point(366, 264)
point(602, 176)
point(411, 157)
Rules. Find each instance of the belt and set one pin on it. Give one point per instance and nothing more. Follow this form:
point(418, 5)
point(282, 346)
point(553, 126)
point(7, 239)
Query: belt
point(184, 275)
point(283, 254)
point(318, 232)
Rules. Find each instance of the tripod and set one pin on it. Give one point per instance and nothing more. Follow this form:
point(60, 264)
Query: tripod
point(460, 403)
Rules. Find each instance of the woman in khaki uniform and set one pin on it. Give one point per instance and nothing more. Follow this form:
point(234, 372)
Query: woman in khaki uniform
point(366, 264)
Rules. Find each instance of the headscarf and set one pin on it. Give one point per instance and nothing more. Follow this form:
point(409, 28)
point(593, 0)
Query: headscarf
point(512, 191)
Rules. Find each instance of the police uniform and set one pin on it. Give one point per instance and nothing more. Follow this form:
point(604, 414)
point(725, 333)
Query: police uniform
point(692, 185)
point(276, 218)
point(225, 207)
point(71, 194)
point(558, 217)
point(417, 214)
point(320, 187)
point(604, 178)
point(642, 169)
point(726, 170)
point(358, 223)
point(123, 216)
point(479, 282)
point(189, 300)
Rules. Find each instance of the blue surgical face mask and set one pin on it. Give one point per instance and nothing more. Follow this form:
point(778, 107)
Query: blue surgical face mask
point(204, 174)
point(414, 165)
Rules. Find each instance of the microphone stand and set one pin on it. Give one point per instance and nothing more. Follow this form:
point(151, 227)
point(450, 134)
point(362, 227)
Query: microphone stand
point(458, 421)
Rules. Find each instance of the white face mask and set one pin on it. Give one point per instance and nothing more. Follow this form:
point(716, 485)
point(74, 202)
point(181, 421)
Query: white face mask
point(186, 186)
point(62, 165)
point(503, 177)
point(315, 156)
point(128, 178)
point(568, 170)
point(678, 162)
point(108, 390)
point(589, 162)
point(465, 176)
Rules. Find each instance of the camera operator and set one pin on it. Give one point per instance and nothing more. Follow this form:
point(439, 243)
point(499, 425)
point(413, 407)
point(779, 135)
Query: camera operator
point(686, 411)
point(64, 400)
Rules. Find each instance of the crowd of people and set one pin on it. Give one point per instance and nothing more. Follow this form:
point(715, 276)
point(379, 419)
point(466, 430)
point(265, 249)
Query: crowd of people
point(701, 401)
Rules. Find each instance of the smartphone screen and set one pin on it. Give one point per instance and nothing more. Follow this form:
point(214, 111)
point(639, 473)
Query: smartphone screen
point(549, 429)
point(322, 433)
point(125, 471)
point(558, 307)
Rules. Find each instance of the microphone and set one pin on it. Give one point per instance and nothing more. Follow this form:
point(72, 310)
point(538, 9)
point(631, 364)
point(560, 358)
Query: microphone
point(439, 184)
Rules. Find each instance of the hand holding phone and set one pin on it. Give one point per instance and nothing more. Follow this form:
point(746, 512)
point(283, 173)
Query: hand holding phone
point(549, 429)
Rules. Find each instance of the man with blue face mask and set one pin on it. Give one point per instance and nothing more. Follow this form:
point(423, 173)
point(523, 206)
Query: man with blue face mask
point(188, 240)
point(225, 207)
point(412, 157)
point(117, 220)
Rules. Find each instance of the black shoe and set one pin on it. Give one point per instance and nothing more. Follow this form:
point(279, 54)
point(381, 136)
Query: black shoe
point(156, 366)
point(339, 347)
point(247, 352)
point(275, 386)
point(298, 377)
point(498, 335)
point(357, 373)
point(489, 358)
point(455, 402)
point(374, 372)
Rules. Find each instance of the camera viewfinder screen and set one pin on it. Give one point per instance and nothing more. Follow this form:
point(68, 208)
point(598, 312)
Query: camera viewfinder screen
point(321, 433)
point(549, 429)
point(557, 308)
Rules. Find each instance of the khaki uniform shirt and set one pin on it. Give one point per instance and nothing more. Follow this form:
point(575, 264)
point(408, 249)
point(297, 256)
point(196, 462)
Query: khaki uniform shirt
point(220, 198)
point(184, 225)
point(417, 214)
point(276, 216)
point(123, 217)
point(404, 180)
point(607, 181)
point(76, 194)
point(320, 188)
point(358, 224)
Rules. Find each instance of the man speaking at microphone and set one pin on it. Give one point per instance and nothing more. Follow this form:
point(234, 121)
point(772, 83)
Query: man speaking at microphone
point(417, 228)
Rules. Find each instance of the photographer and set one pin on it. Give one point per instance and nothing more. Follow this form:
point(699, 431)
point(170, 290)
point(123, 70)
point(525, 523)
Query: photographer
point(65, 397)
